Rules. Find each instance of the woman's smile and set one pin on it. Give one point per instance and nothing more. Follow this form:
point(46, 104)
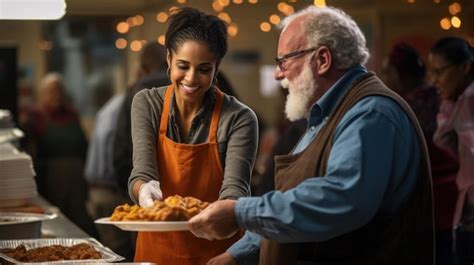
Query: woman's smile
point(189, 89)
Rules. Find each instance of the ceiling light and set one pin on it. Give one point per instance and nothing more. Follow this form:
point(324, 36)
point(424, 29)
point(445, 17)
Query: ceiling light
point(32, 9)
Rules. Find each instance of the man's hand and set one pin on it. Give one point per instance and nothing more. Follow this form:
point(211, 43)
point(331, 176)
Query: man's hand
point(149, 192)
point(223, 259)
point(217, 221)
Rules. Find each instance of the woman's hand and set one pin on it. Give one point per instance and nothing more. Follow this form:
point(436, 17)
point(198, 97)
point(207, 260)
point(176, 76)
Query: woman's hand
point(149, 192)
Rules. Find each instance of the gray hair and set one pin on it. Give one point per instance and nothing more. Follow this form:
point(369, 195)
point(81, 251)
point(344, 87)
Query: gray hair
point(335, 29)
point(50, 78)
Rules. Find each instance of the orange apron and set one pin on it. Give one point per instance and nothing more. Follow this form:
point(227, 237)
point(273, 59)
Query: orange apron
point(186, 170)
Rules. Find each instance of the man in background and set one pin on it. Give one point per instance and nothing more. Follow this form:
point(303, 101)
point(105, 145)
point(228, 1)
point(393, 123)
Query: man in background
point(152, 73)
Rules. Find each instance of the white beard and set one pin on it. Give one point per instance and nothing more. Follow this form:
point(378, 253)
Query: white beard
point(301, 92)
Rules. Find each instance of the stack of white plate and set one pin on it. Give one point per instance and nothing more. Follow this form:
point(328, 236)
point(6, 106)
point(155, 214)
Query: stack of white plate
point(17, 184)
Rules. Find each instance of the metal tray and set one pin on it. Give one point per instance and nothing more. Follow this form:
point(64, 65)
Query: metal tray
point(11, 218)
point(107, 254)
point(15, 225)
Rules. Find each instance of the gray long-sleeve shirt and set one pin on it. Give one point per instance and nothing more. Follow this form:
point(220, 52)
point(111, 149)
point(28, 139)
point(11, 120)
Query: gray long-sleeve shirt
point(237, 138)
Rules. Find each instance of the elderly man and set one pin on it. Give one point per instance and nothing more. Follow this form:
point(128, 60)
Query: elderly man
point(356, 189)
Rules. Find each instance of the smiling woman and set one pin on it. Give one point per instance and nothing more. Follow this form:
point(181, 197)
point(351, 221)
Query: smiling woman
point(189, 138)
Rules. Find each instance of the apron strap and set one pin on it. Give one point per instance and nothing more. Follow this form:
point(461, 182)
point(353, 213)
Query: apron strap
point(216, 114)
point(166, 110)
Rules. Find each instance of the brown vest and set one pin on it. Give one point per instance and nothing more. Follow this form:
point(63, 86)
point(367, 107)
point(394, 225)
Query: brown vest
point(405, 237)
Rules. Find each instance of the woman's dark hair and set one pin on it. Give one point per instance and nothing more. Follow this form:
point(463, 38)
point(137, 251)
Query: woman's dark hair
point(454, 50)
point(191, 24)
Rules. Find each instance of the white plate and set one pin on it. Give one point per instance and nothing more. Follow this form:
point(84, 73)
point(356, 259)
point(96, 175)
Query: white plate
point(150, 226)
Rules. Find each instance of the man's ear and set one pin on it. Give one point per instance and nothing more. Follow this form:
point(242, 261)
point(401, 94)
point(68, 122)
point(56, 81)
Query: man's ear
point(323, 58)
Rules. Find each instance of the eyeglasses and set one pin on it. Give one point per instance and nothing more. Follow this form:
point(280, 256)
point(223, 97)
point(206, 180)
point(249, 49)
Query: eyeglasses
point(280, 61)
point(440, 70)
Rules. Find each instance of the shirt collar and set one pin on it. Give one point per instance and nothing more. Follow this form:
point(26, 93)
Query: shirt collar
point(207, 105)
point(326, 104)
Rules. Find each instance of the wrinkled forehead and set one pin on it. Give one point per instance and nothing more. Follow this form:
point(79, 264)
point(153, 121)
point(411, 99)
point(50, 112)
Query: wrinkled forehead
point(292, 37)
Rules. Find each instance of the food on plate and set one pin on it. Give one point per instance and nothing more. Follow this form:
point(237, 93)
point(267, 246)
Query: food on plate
point(52, 253)
point(173, 208)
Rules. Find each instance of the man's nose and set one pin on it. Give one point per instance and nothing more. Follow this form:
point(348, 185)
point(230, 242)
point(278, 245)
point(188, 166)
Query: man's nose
point(278, 73)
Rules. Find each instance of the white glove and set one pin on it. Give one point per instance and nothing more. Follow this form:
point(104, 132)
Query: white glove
point(149, 192)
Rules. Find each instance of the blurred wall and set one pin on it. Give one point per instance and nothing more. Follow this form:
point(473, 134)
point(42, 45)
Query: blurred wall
point(383, 22)
point(26, 36)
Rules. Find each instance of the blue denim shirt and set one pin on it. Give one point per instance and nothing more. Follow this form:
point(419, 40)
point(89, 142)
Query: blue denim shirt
point(372, 169)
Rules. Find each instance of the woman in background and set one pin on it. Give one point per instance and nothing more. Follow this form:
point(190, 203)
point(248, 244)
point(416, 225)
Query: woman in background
point(57, 144)
point(404, 72)
point(451, 62)
point(189, 138)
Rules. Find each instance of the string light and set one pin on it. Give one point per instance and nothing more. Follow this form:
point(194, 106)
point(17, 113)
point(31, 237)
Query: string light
point(162, 17)
point(224, 16)
point(456, 22)
point(274, 19)
point(238, 2)
point(320, 3)
point(130, 21)
point(445, 23)
point(224, 3)
point(454, 8)
point(282, 7)
point(138, 20)
point(217, 6)
point(122, 27)
point(121, 43)
point(136, 45)
point(265, 26)
point(232, 30)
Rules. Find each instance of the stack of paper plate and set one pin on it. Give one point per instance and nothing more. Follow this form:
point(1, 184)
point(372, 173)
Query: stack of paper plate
point(17, 184)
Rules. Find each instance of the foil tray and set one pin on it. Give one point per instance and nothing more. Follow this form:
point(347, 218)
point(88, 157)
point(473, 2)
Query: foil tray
point(107, 254)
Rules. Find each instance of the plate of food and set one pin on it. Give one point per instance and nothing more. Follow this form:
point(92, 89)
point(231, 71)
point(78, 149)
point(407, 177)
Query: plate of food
point(172, 214)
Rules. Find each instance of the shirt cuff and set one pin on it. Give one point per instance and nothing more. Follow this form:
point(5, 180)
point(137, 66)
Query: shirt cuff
point(246, 212)
point(246, 251)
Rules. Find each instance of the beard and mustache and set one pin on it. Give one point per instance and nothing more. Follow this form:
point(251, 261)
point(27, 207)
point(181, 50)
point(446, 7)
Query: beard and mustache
point(301, 93)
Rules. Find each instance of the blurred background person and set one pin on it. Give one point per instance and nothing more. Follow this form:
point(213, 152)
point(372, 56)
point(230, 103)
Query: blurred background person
point(452, 70)
point(104, 191)
point(152, 73)
point(276, 140)
point(404, 72)
point(57, 144)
